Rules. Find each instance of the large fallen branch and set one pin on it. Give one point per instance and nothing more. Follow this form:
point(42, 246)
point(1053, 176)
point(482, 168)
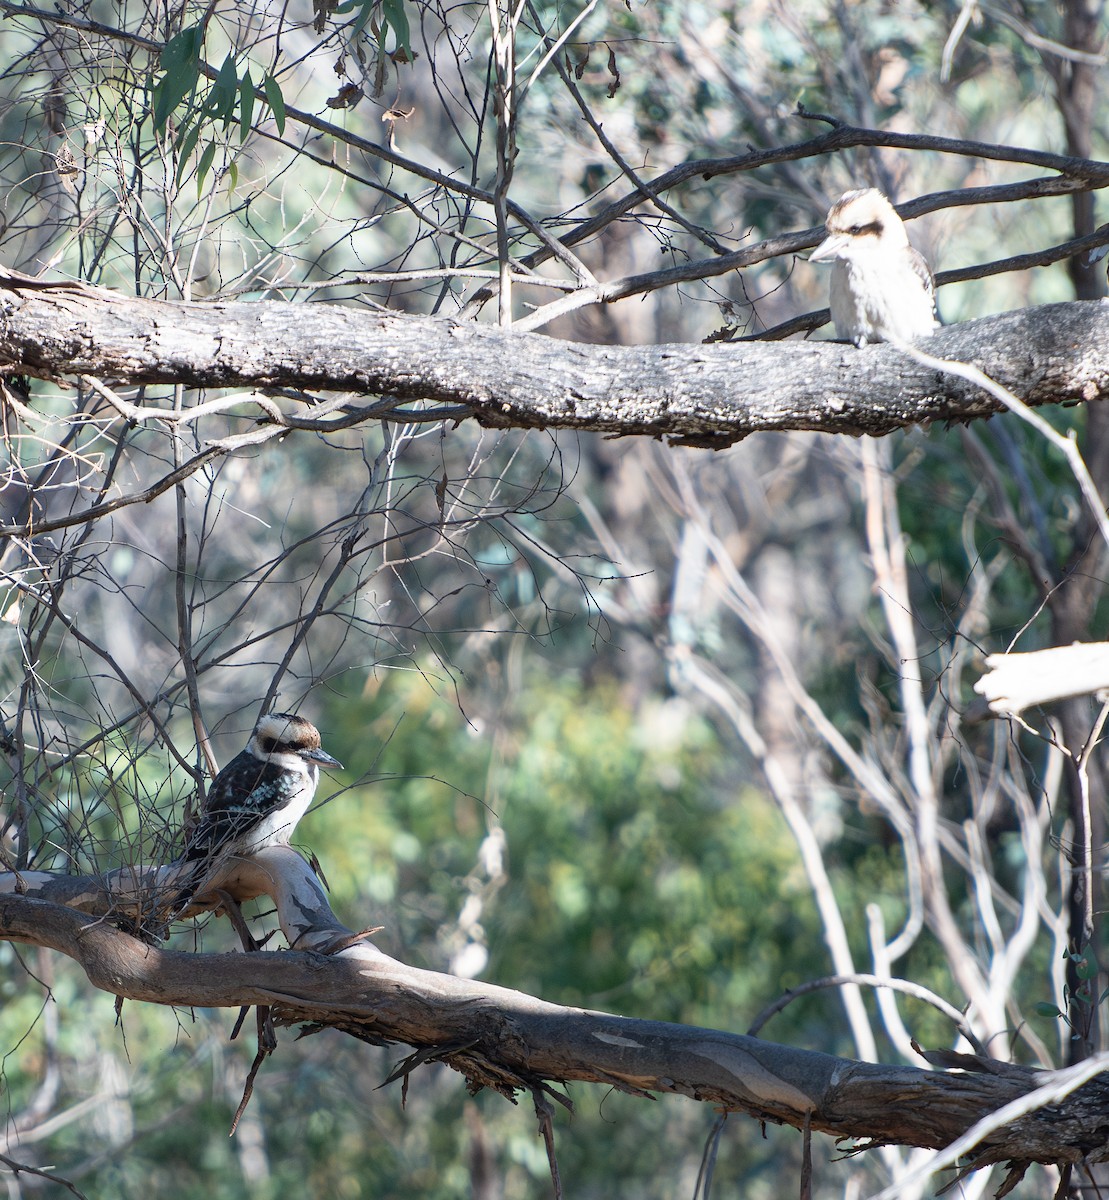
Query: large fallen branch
point(510, 1041)
point(695, 394)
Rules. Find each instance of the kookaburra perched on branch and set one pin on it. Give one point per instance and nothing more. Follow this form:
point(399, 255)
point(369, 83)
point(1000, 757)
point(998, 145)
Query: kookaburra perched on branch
point(258, 798)
point(881, 286)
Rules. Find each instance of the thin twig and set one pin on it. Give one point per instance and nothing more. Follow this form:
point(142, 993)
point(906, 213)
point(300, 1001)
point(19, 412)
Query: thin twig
point(916, 990)
point(18, 1168)
point(545, 1114)
point(1066, 445)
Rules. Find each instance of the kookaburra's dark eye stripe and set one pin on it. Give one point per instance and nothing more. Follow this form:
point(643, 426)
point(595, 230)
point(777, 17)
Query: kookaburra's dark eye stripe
point(277, 746)
point(874, 227)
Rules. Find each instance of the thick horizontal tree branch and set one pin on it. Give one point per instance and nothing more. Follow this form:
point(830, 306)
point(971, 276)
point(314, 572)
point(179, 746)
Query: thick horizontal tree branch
point(693, 394)
point(507, 1040)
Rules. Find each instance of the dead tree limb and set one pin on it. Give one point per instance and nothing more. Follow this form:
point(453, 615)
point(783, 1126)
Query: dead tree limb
point(510, 1041)
point(706, 395)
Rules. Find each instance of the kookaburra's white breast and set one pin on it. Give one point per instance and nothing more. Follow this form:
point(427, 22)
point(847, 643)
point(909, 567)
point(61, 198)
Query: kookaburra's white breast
point(872, 295)
point(282, 796)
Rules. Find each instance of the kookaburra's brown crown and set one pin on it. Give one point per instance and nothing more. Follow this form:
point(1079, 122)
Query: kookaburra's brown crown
point(866, 213)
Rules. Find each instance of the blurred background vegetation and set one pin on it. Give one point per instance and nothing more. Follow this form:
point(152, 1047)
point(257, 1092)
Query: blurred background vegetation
point(501, 624)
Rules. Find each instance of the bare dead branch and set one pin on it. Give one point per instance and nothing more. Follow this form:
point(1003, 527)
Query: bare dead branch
point(1014, 682)
point(699, 395)
point(507, 1040)
point(906, 986)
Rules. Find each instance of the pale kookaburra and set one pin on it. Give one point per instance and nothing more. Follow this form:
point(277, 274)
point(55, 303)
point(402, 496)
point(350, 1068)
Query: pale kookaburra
point(881, 286)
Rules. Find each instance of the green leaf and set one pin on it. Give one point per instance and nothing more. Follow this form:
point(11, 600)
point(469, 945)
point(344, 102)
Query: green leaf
point(1046, 1009)
point(276, 101)
point(1084, 968)
point(205, 165)
point(367, 7)
point(180, 60)
point(181, 49)
point(224, 94)
point(185, 147)
point(398, 22)
point(246, 105)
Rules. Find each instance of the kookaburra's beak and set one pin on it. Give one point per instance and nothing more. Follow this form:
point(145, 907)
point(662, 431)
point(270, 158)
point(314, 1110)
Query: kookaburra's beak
point(322, 757)
point(831, 247)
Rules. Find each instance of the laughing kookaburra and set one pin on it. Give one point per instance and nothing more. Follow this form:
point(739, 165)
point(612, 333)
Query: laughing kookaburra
point(881, 286)
point(258, 798)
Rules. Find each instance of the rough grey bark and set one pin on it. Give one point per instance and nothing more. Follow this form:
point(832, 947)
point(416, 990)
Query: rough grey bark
point(708, 395)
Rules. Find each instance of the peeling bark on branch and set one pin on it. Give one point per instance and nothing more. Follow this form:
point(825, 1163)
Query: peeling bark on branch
point(507, 1040)
point(694, 394)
